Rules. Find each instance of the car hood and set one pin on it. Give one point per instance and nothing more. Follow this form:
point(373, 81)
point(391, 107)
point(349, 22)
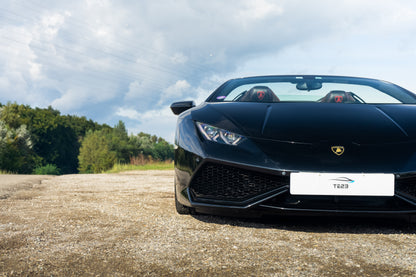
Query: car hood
point(314, 122)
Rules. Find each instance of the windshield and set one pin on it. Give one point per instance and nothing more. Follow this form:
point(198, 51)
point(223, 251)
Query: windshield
point(313, 89)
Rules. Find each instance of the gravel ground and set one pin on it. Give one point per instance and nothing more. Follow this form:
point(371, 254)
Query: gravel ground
point(126, 225)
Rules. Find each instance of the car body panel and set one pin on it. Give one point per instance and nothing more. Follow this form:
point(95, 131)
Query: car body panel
point(281, 138)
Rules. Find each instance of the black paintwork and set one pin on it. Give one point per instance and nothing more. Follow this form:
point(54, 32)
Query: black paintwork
point(285, 137)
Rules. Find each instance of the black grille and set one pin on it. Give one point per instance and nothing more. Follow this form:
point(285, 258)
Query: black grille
point(228, 183)
point(406, 184)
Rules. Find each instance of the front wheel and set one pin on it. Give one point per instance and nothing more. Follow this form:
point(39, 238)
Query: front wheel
point(182, 209)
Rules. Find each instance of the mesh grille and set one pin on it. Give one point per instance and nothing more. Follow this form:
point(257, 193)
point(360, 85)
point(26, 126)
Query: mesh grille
point(406, 184)
point(227, 183)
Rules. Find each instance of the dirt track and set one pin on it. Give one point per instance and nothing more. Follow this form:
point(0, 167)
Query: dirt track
point(126, 225)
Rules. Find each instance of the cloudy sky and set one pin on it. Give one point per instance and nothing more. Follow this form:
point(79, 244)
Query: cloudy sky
point(114, 60)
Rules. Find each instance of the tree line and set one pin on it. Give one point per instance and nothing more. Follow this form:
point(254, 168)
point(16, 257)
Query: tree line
point(35, 140)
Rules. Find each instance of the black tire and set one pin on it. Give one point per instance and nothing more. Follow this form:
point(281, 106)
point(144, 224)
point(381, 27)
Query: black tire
point(182, 209)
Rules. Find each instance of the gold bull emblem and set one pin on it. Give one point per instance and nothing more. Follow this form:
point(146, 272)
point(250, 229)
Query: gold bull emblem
point(338, 150)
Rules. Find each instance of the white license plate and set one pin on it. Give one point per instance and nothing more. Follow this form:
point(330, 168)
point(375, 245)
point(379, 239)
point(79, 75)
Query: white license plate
point(308, 183)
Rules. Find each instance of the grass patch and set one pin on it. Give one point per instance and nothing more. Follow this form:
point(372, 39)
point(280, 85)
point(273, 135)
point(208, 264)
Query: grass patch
point(117, 168)
point(3, 172)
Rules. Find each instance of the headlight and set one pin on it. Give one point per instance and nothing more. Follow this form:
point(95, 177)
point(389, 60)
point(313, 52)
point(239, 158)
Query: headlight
point(218, 135)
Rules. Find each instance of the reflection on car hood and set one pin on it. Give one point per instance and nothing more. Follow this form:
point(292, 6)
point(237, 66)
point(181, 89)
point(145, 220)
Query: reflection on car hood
point(314, 122)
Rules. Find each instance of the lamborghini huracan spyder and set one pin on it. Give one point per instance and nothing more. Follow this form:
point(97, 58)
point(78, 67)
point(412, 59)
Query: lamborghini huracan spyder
point(298, 145)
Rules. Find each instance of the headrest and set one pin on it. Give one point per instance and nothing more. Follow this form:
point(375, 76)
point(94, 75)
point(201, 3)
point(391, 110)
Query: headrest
point(338, 96)
point(259, 94)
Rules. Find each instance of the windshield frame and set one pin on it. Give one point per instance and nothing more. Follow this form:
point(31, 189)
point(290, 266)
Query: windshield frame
point(390, 89)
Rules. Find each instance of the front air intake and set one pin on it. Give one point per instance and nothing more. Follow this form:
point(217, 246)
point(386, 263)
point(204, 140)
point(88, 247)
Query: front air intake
point(232, 184)
point(406, 184)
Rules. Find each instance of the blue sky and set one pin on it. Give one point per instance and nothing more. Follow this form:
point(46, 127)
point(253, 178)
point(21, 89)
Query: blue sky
point(128, 60)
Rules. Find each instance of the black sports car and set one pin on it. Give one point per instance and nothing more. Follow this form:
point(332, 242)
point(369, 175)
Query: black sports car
point(298, 145)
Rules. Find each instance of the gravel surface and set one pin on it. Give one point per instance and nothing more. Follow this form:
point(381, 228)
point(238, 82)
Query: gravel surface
point(126, 225)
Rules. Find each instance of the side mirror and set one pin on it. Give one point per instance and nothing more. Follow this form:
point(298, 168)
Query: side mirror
point(179, 107)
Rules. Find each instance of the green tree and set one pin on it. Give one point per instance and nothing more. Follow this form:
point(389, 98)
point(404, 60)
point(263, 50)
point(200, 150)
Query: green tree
point(95, 154)
point(163, 150)
point(16, 153)
point(56, 138)
point(119, 143)
point(148, 145)
point(55, 142)
point(14, 115)
point(81, 125)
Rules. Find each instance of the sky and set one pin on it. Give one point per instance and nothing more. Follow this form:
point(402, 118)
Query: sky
point(129, 60)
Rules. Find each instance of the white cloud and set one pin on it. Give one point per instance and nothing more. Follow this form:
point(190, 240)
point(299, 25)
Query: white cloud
point(260, 9)
point(143, 94)
point(35, 70)
point(177, 90)
point(128, 113)
point(179, 58)
point(136, 88)
point(70, 100)
point(51, 24)
point(161, 122)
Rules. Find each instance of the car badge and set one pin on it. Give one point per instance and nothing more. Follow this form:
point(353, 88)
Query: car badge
point(260, 94)
point(338, 150)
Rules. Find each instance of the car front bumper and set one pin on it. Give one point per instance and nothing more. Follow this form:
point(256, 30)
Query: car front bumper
point(221, 187)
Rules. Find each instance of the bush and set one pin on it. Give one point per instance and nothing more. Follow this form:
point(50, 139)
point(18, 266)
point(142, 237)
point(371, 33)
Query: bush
point(95, 154)
point(49, 169)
